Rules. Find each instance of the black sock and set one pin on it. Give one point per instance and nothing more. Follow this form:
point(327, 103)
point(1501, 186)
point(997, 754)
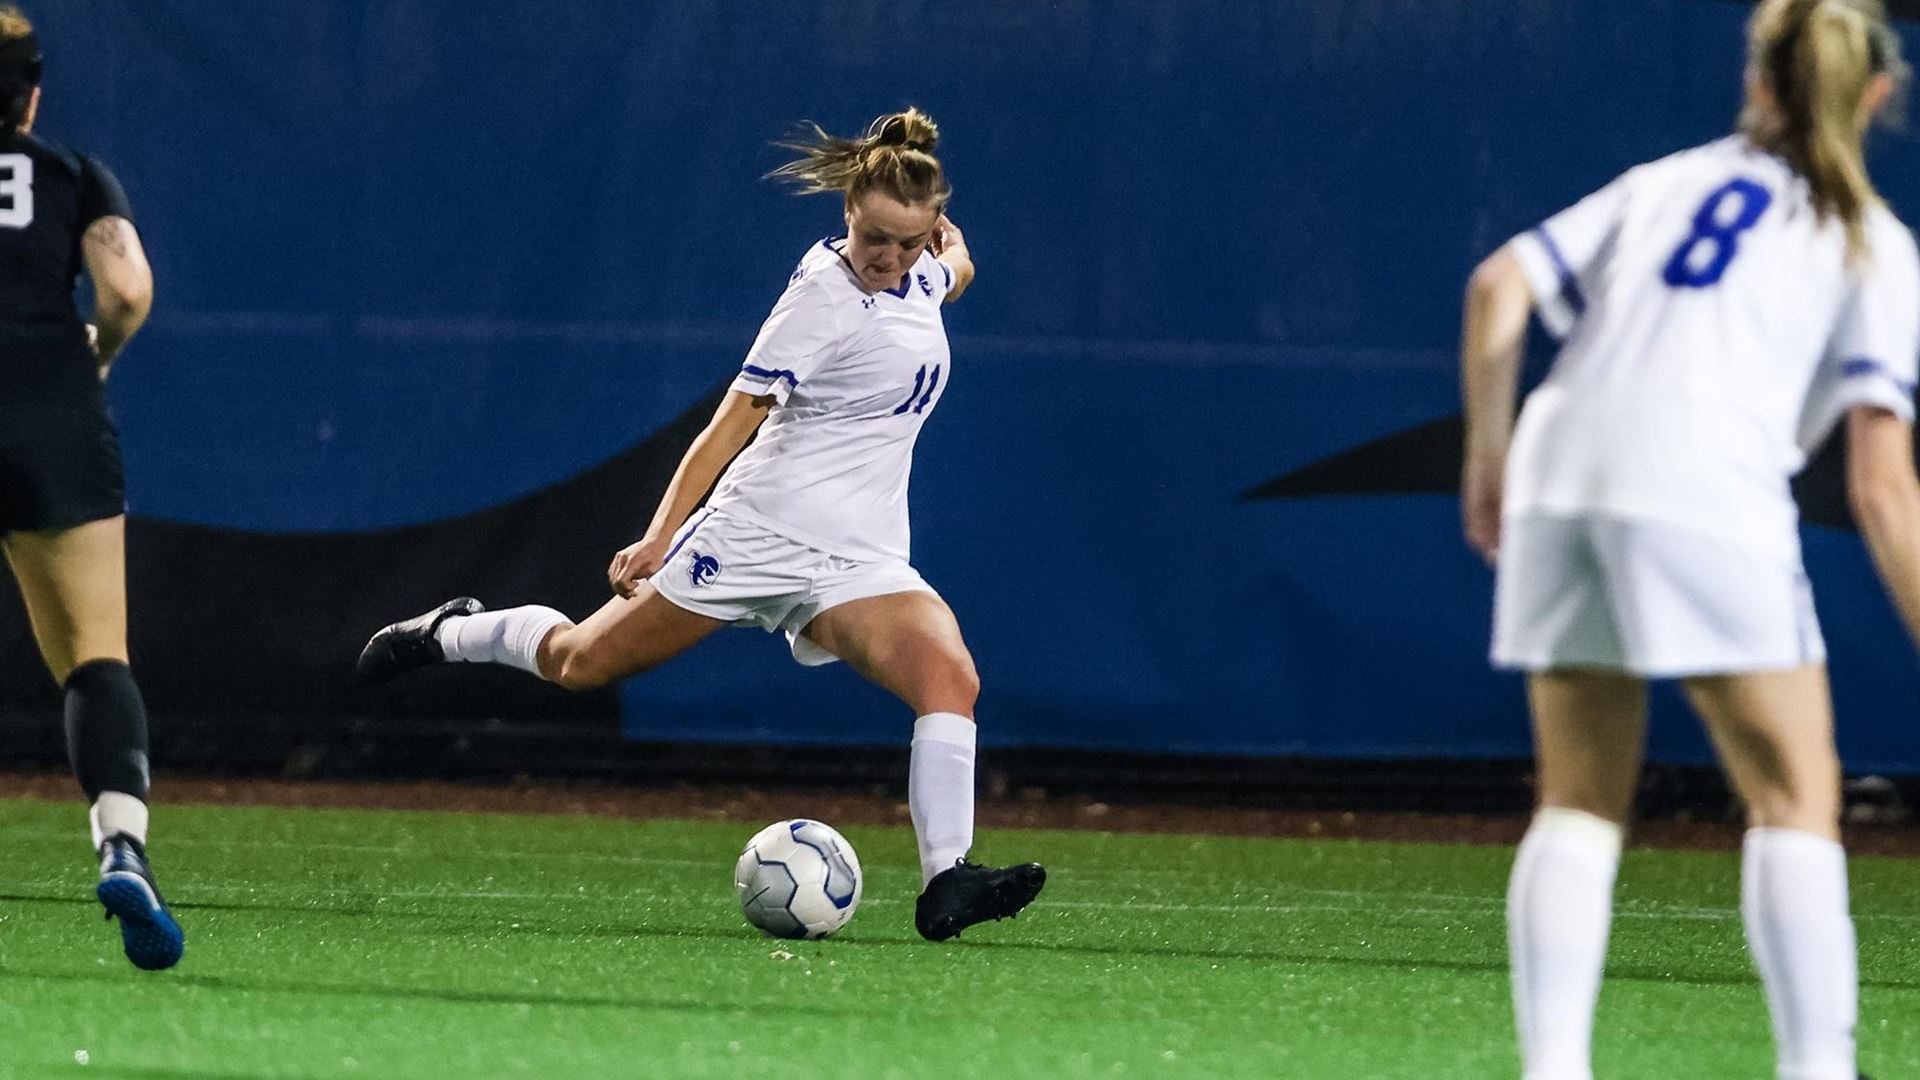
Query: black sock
point(106, 729)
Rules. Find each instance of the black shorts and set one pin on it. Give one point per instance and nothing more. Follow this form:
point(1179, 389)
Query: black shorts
point(59, 451)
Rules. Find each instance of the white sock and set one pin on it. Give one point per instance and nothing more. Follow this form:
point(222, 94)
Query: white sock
point(940, 790)
point(1559, 910)
point(1793, 898)
point(510, 637)
point(117, 812)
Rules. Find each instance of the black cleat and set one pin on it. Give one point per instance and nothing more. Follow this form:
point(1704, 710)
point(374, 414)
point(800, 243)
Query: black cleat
point(151, 937)
point(411, 644)
point(967, 893)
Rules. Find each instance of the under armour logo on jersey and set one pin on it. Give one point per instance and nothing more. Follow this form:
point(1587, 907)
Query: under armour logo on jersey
point(869, 302)
point(704, 569)
point(926, 286)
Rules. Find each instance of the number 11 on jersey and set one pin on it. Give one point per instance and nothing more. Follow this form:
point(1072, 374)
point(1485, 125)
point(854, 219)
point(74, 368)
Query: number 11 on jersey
point(1681, 273)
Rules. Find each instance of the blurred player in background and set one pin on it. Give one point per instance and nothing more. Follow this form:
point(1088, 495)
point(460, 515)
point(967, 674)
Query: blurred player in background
point(807, 531)
point(62, 505)
point(1722, 309)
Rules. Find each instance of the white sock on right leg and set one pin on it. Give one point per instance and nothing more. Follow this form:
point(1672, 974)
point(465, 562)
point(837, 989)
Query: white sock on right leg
point(940, 790)
point(1793, 898)
point(117, 813)
point(1559, 910)
point(511, 637)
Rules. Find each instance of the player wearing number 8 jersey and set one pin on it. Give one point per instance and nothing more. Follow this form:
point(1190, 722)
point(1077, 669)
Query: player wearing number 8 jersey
point(1715, 328)
point(1722, 310)
point(807, 530)
point(62, 510)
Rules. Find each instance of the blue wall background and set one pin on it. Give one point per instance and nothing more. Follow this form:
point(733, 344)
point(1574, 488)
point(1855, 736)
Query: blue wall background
point(418, 257)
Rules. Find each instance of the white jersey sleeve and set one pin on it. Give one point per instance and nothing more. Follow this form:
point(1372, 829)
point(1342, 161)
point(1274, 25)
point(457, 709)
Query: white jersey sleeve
point(1562, 255)
point(798, 338)
point(1873, 357)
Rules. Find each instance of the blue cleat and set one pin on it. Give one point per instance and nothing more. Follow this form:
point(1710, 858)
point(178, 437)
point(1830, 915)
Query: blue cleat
point(154, 941)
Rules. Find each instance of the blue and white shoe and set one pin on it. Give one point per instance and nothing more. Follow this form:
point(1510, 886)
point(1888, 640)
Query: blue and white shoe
point(153, 939)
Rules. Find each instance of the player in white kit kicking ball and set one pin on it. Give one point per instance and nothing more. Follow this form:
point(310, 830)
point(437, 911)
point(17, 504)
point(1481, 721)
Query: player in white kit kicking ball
point(807, 532)
point(1722, 309)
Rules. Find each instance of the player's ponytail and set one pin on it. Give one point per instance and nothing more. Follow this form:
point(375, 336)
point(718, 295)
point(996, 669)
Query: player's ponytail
point(19, 66)
point(1817, 58)
point(895, 157)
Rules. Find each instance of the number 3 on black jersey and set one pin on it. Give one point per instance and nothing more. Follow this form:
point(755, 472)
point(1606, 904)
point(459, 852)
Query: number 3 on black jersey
point(16, 191)
point(1724, 237)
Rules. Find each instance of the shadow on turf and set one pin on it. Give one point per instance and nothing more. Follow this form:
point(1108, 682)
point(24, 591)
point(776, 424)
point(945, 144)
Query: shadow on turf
point(1627, 974)
point(164, 1073)
point(420, 993)
point(529, 926)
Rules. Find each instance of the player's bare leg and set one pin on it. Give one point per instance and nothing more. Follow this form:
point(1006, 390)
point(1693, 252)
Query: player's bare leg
point(627, 636)
point(74, 585)
point(1774, 732)
point(910, 645)
point(1589, 733)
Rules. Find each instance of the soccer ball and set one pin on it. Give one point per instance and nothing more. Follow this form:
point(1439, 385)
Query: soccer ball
point(798, 879)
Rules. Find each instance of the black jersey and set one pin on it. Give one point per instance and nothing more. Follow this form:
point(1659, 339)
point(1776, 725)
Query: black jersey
point(48, 196)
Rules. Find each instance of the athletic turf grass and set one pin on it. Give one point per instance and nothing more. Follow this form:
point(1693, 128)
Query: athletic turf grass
point(384, 944)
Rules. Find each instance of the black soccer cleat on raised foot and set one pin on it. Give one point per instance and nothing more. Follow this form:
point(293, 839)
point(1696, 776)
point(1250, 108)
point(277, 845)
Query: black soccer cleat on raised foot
point(407, 645)
point(967, 893)
point(148, 932)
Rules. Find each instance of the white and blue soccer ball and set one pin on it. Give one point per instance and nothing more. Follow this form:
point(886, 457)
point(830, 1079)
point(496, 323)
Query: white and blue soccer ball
point(798, 879)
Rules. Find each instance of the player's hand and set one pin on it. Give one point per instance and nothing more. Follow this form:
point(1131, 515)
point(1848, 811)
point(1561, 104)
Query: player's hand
point(636, 563)
point(945, 235)
point(1481, 490)
point(93, 346)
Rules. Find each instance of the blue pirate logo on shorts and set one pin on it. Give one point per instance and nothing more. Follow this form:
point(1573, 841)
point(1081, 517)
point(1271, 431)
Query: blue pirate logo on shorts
point(704, 569)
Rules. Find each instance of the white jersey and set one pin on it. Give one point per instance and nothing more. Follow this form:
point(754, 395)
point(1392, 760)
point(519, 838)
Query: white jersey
point(1714, 333)
point(854, 374)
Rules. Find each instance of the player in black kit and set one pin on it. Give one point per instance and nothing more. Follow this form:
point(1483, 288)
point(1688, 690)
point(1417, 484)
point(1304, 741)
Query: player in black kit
point(62, 507)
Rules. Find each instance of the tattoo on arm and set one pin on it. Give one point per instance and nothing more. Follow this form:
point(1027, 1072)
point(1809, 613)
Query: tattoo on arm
point(109, 234)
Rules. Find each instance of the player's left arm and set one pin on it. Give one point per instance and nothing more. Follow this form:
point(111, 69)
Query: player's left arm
point(116, 261)
point(122, 284)
point(1493, 338)
point(950, 246)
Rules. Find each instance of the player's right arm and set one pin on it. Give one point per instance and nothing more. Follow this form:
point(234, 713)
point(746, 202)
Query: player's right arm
point(801, 334)
point(733, 423)
point(1548, 270)
point(1493, 334)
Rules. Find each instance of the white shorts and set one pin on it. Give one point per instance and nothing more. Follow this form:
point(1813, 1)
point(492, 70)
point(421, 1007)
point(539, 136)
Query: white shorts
point(1646, 598)
point(729, 569)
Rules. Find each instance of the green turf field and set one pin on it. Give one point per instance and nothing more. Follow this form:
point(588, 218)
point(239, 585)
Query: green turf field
point(330, 943)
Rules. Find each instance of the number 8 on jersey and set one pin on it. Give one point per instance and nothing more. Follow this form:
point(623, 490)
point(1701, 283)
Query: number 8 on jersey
point(16, 191)
point(1724, 238)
